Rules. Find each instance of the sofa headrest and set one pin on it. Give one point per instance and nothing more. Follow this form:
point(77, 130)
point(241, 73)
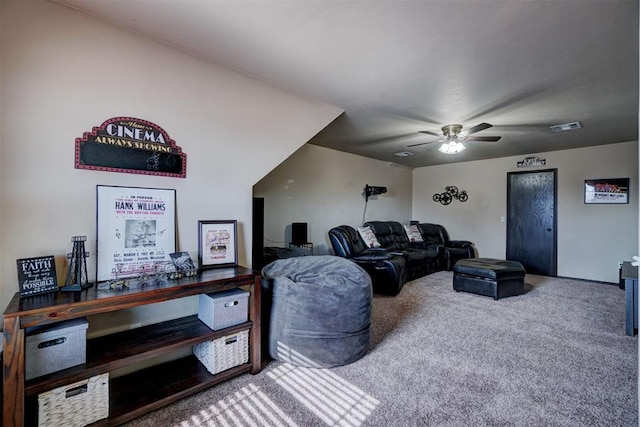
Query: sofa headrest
point(431, 233)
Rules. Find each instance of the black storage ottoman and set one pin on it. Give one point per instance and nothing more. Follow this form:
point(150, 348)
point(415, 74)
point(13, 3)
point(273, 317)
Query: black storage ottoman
point(490, 277)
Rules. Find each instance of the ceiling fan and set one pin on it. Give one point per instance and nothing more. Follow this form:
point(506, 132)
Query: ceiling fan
point(453, 137)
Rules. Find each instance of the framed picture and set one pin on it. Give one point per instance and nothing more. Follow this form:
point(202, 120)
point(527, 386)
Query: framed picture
point(217, 244)
point(136, 230)
point(606, 191)
point(37, 275)
point(184, 264)
point(182, 261)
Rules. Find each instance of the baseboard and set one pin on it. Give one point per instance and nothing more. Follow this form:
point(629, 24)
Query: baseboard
point(587, 280)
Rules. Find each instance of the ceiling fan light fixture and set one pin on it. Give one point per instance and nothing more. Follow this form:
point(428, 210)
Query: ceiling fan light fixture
point(453, 137)
point(451, 146)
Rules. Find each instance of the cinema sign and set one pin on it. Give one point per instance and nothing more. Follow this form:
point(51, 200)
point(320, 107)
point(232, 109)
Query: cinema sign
point(130, 145)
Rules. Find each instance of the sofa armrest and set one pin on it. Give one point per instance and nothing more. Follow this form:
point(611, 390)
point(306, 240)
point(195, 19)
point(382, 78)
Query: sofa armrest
point(372, 256)
point(386, 251)
point(425, 245)
point(460, 244)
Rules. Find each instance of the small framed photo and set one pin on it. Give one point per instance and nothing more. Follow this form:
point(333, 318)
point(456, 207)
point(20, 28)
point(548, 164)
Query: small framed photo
point(182, 261)
point(217, 244)
point(183, 264)
point(606, 191)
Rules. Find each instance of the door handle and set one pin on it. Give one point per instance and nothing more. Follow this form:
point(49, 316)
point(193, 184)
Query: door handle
point(549, 229)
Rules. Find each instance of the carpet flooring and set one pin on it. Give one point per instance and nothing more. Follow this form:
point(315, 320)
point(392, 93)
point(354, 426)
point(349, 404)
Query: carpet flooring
point(554, 356)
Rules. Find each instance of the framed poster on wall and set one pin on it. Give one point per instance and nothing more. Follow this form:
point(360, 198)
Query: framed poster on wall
point(136, 230)
point(606, 191)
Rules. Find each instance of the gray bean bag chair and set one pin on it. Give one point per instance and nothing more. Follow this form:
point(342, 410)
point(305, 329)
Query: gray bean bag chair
point(320, 310)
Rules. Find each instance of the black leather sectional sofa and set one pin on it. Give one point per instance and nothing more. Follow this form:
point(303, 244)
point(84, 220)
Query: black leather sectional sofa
point(450, 250)
point(398, 260)
point(421, 258)
point(387, 268)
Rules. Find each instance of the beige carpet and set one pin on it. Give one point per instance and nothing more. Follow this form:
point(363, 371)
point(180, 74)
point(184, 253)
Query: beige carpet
point(555, 356)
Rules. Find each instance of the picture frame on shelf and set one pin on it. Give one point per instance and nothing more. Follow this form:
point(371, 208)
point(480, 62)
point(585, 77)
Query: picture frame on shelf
point(606, 191)
point(136, 230)
point(183, 263)
point(217, 244)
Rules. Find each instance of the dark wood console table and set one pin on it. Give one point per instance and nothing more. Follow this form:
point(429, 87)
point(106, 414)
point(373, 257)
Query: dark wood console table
point(142, 391)
point(630, 275)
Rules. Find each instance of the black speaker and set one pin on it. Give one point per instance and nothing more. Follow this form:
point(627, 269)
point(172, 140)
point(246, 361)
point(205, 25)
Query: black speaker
point(298, 233)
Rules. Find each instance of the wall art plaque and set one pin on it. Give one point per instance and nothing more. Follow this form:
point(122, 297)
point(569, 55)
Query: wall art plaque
point(130, 145)
point(606, 191)
point(531, 161)
point(450, 192)
point(37, 275)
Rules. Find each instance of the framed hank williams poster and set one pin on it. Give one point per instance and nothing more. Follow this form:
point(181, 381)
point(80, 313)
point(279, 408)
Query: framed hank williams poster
point(136, 231)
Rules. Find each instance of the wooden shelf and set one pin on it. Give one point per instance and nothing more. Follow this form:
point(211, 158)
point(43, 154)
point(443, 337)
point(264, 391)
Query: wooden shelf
point(55, 307)
point(126, 348)
point(163, 384)
point(144, 390)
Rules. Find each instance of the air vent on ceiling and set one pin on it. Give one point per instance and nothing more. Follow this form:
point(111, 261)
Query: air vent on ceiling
point(566, 126)
point(403, 154)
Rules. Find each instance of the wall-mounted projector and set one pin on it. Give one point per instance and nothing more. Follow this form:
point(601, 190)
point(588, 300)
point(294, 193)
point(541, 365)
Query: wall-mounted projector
point(370, 190)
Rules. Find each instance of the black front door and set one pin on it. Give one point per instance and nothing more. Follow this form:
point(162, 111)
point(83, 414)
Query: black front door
point(531, 220)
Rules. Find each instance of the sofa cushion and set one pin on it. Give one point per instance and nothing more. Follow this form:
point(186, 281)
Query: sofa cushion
point(390, 234)
point(431, 233)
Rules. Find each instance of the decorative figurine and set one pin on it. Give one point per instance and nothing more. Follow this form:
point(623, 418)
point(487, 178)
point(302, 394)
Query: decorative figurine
point(77, 277)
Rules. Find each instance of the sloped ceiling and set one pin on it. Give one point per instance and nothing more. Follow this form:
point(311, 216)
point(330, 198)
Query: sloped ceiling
point(399, 67)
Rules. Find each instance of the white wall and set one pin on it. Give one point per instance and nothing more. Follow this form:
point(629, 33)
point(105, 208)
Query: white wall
point(64, 72)
point(592, 239)
point(324, 188)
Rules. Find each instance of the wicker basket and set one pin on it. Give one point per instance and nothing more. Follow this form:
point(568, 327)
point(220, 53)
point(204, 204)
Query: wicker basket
point(223, 353)
point(77, 404)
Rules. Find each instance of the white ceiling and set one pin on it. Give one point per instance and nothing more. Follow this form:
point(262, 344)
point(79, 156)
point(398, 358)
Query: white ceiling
point(398, 67)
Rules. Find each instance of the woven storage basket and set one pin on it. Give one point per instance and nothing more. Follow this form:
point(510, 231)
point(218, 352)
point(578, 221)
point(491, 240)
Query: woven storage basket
point(77, 404)
point(223, 353)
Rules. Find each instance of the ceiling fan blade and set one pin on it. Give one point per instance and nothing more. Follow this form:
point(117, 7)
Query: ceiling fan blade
point(428, 132)
point(421, 143)
point(483, 138)
point(477, 128)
